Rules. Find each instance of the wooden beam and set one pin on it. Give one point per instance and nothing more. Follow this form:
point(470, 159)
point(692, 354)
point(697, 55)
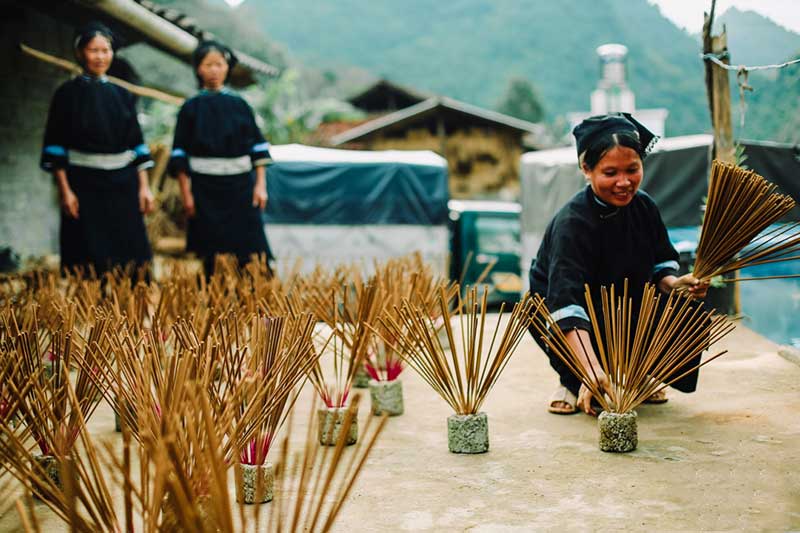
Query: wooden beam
point(74, 68)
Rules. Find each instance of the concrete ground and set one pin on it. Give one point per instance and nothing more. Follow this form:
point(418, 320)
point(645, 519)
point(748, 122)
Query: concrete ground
point(724, 458)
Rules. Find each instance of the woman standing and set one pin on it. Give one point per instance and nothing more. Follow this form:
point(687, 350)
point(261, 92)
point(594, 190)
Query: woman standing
point(219, 157)
point(605, 234)
point(93, 146)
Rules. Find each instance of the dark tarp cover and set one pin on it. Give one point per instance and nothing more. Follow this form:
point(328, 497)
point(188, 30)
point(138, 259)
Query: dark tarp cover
point(678, 179)
point(358, 192)
point(676, 176)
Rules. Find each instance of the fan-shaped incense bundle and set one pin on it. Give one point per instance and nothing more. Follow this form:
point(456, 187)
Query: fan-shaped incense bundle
point(41, 402)
point(281, 355)
point(349, 340)
point(741, 206)
point(463, 372)
point(638, 358)
point(73, 486)
point(169, 492)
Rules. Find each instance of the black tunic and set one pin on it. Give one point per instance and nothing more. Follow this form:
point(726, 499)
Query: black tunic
point(589, 242)
point(90, 118)
point(220, 125)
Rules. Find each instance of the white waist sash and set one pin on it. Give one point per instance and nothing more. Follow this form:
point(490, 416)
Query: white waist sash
point(221, 166)
point(101, 161)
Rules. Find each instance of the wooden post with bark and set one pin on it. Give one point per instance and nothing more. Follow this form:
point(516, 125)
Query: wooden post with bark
point(719, 103)
point(718, 90)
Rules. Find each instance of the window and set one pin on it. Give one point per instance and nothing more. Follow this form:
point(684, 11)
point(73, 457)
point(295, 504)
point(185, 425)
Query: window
point(497, 235)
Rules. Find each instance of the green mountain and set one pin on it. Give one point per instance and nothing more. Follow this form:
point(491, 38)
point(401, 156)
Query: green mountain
point(471, 49)
point(773, 108)
point(755, 40)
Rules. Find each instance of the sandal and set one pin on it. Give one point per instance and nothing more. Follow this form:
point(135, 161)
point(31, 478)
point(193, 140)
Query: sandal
point(658, 397)
point(562, 402)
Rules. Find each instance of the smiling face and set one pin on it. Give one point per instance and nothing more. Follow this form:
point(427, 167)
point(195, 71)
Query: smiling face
point(617, 176)
point(97, 56)
point(213, 70)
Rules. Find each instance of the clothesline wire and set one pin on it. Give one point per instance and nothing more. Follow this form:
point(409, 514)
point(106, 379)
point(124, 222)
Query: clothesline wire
point(742, 72)
point(716, 59)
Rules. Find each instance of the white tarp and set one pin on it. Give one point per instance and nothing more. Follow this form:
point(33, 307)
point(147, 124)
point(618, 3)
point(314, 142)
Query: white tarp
point(314, 154)
point(333, 245)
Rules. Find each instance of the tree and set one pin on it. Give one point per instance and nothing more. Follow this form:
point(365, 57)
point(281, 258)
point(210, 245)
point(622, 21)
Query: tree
point(522, 100)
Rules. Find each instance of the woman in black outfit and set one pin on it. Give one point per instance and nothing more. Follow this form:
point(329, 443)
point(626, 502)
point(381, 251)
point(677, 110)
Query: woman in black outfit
point(219, 157)
point(607, 233)
point(93, 146)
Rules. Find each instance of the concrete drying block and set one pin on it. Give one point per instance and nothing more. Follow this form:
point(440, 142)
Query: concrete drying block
point(170, 515)
point(618, 431)
point(387, 397)
point(254, 483)
point(51, 468)
point(331, 421)
point(468, 433)
point(361, 379)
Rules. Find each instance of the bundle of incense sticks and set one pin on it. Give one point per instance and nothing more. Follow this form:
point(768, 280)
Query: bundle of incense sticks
point(639, 358)
point(38, 397)
point(83, 500)
point(281, 356)
point(740, 209)
point(404, 279)
point(463, 372)
point(181, 483)
point(348, 342)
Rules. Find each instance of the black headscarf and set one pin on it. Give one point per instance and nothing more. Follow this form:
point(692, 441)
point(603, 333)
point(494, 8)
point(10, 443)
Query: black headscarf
point(593, 129)
point(206, 47)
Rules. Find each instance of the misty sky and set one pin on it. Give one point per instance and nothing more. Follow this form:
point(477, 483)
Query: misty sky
point(689, 13)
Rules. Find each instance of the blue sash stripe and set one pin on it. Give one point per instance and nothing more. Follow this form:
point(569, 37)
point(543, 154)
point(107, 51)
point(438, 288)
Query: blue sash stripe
point(55, 150)
point(666, 264)
point(570, 311)
point(142, 150)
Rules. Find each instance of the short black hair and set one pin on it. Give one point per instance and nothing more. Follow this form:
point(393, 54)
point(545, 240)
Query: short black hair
point(205, 48)
point(600, 147)
point(88, 32)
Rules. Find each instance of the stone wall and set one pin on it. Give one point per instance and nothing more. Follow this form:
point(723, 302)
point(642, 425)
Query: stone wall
point(28, 200)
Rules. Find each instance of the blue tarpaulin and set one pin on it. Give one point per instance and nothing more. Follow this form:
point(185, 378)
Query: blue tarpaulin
point(320, 186)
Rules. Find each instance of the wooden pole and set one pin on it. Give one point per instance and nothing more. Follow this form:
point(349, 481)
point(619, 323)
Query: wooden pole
point(69, 66)
point(719, 103)
point(718, 90)
point(724, 149)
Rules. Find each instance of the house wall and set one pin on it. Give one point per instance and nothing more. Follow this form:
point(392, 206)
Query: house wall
point(28, 200)
point(482, 163)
